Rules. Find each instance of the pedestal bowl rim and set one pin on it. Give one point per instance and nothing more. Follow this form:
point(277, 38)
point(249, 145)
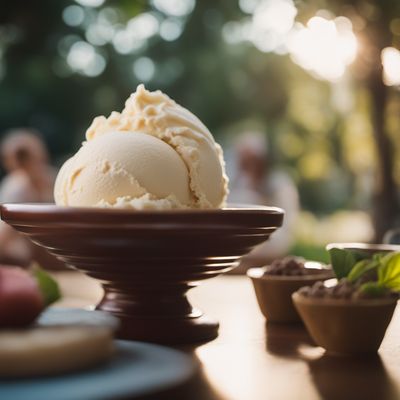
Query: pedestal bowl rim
point(40, 214)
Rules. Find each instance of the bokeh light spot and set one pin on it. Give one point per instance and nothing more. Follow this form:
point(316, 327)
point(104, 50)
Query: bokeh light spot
point(73, 15)
point(144, 69)
point(175, 8)
point(391, 66)
point(83, 58)
point(170, 29)
point(90, 3)
point(324, 47)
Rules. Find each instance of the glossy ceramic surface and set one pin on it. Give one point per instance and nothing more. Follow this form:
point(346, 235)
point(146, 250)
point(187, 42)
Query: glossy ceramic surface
point(148, 260)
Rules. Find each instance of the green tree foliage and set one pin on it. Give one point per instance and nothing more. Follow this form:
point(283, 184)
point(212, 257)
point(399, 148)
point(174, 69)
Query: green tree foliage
point(231, 87)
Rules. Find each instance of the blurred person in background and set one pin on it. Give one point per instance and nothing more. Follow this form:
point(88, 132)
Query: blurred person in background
point(257, 182)
point(29, 178)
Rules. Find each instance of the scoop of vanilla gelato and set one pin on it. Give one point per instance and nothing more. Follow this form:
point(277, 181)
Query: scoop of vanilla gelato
point(155, 154)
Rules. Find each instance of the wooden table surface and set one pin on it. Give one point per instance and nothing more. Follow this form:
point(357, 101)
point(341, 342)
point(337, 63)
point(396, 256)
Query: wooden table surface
point(252, 360)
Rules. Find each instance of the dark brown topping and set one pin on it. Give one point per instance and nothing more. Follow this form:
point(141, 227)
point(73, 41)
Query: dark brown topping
point(291, 266)
point(342, 290)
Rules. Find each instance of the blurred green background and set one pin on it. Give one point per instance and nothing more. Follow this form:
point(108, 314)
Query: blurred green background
point(320, 78)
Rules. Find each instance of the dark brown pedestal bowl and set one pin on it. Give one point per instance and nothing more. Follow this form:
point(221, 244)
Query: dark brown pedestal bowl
point(148, 260)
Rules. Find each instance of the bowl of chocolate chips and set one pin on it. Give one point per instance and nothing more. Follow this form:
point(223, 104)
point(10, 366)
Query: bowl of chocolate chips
point(274, 285)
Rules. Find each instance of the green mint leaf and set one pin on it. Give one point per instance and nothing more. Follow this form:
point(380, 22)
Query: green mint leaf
point(389, 271)
point(372, 289)
point(361, 267)
point(379, 256)
point(47, 285)
point(342, 261)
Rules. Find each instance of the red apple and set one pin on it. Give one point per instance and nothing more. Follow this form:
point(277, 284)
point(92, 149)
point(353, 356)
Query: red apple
point(21, 300)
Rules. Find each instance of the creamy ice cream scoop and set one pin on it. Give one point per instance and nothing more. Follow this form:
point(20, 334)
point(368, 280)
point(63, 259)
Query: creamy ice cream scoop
point(154, 154)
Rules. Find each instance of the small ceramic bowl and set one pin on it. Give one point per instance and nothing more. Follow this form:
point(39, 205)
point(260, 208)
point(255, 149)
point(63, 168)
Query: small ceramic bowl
point(274, 292)
point(346, 326)
point(148, 260)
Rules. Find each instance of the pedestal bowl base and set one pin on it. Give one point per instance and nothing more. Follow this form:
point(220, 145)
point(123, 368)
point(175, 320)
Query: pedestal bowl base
point(168, 320)
point(168, 331)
